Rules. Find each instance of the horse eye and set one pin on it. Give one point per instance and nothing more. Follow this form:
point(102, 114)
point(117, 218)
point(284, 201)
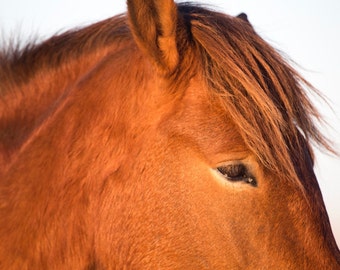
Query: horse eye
point(237, 172)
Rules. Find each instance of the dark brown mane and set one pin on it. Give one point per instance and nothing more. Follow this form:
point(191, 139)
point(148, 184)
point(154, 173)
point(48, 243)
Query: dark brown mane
point(21, 63)
point(259, 90)
point(137, 142)
point(37, 66)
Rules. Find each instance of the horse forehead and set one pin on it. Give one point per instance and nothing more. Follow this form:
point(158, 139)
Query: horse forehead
point(204, 122)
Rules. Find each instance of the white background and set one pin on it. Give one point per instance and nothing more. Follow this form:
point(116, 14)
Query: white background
point(308, 31)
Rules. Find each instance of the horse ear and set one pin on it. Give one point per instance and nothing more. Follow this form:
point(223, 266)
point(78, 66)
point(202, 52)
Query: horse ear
point(243, 17)
point(153, 24)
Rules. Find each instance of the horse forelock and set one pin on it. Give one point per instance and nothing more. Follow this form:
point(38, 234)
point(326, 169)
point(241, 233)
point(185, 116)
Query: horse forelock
point(264, 96)
point(259, 90)
point(105, 125)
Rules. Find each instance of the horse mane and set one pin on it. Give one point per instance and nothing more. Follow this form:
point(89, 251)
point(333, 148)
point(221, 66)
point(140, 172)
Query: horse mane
point(29, 74)
point(19, 63)
point(260, 91)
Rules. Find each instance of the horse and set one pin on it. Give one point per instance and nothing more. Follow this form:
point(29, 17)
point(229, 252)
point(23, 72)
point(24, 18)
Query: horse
point(169, 137)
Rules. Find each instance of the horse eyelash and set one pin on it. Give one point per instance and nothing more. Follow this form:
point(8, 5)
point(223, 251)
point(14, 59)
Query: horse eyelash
point(237, 172)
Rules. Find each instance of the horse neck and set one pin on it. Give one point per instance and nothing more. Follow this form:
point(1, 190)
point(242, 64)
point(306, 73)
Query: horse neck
point(26, 104)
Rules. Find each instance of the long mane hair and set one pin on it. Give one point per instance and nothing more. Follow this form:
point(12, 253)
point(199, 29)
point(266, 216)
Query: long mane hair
point(264, 95)
point(260, 91)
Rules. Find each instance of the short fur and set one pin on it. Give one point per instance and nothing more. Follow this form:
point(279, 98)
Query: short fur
point(110, 136)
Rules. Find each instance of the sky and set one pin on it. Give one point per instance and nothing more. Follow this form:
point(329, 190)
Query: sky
point(307, 31)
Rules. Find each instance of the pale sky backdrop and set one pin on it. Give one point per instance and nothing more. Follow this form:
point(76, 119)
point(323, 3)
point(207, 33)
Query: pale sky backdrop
point(308, 31)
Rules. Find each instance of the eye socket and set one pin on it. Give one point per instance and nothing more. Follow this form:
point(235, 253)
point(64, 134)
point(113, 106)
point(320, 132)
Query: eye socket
point(237, 172)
